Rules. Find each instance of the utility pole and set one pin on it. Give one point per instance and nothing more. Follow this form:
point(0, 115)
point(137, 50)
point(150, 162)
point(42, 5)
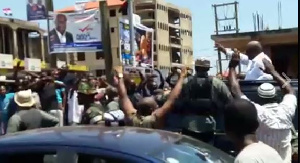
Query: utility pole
point(231, 19)
point(131, 28)
point(106, 46)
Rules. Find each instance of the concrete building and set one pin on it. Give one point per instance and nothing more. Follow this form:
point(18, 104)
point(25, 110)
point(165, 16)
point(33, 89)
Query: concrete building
point(15, 39)
point(281, 46)
point(173, 43)
point(173, 34)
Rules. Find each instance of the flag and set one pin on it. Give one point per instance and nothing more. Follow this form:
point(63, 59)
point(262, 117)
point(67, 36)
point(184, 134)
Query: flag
point(7, 11)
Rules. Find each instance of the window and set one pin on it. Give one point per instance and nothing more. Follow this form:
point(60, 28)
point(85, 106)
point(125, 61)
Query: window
point(99, 55)
point(155, 58)
point(100, 73)
point(112, 13)
point(59, 157)
point(81, 56)
point(154, 48)
point(112, 30)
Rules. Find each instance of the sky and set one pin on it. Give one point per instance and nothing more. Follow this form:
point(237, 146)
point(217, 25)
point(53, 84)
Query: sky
point(203, 18)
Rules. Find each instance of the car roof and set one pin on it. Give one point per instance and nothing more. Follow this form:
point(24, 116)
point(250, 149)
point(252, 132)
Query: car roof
point(138, 141)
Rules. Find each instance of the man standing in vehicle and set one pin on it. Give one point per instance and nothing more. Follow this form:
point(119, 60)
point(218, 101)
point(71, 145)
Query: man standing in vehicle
point(252, 59)
point(202, 101)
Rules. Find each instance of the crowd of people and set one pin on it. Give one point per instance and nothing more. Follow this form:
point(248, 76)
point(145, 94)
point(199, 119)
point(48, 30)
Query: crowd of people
point(260, 130)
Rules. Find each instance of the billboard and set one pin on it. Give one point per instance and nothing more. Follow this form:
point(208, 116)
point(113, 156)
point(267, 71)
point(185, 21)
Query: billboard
point(143, 46)
point(75, 32)
point(36, 10)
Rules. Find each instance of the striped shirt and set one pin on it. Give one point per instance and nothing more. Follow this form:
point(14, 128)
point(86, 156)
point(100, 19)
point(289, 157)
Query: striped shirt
point(276, 123)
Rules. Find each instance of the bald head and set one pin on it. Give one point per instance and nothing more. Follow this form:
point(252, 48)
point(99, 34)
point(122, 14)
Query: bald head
point(253, 49)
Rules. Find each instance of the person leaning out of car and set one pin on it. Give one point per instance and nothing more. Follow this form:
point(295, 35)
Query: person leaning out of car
point(28, 116)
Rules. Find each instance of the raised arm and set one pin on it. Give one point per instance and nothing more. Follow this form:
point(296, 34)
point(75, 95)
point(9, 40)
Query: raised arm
point(126, 104)
point(234, 85)
point(285, 85)
point(229, 53)
point(168, 105)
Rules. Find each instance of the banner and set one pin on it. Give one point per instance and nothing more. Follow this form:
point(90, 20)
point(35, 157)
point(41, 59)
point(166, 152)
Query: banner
point(34, 65)
point(75, 32)
point(6, 61)
point(143, 52)
point(36, 10)
point(80, 6)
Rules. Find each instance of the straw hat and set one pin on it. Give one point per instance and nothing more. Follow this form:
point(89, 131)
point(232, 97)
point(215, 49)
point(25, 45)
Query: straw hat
point(24, 98)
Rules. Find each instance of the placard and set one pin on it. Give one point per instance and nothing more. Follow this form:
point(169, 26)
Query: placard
point(34, 65)
point(6, 61)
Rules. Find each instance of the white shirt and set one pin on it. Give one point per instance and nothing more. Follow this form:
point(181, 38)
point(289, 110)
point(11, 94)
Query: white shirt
point(258, 153)
point(62, 37)
point(276, 123)
point(74, 109)
point(253, 66)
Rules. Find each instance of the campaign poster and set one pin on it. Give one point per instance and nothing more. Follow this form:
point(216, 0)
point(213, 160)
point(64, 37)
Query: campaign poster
point(75, 32)
point(143, 46)
point(36, 10)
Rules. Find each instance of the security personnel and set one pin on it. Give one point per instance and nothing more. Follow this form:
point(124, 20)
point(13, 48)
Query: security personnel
point(202, 98)
point(107, 112)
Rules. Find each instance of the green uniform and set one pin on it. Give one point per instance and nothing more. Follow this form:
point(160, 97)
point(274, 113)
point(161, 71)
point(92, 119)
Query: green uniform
point(143, 121)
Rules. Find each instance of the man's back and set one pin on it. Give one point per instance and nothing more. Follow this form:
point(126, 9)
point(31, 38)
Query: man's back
point(258, 153)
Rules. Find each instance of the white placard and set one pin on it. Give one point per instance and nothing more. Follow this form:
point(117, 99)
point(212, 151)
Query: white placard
point(6, 61)
point(34, 65)
point(60, 64)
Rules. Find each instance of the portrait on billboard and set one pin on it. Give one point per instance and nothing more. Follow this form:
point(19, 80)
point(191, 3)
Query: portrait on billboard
point(36, 10)
point(59, 33)
point(75, 32)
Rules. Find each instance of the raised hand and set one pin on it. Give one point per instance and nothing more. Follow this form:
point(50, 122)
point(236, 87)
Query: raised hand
point(235, 59)
point(269, 68)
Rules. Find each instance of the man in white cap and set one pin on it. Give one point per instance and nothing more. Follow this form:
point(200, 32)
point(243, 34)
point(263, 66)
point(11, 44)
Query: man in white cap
point(252, 59)
point(28, 117)
point(275, 119)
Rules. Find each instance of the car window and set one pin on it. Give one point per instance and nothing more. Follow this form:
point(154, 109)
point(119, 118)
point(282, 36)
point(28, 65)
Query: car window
point(62, 156)
point(189, 151)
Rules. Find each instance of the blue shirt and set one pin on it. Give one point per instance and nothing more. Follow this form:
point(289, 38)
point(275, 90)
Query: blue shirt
point(59, 93)
point(4, 100)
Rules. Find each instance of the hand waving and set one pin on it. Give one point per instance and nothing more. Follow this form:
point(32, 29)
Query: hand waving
point(184, 71)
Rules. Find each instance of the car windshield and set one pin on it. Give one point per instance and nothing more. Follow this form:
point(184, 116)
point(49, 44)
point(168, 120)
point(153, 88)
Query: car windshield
point(190, 151)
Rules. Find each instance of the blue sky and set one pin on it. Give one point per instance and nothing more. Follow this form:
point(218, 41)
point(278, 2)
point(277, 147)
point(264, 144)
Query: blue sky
point(203, 17)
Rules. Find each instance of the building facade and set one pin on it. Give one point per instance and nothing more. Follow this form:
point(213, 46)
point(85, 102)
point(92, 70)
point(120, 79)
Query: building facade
point(173, 38)
point(15, 39)
point(173, 43)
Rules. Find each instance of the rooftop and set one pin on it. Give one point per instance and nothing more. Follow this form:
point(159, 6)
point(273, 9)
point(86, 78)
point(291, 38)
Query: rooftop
point(91, 5)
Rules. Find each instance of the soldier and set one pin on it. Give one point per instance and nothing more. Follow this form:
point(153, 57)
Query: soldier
point(202, 100)
point(95, 112)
